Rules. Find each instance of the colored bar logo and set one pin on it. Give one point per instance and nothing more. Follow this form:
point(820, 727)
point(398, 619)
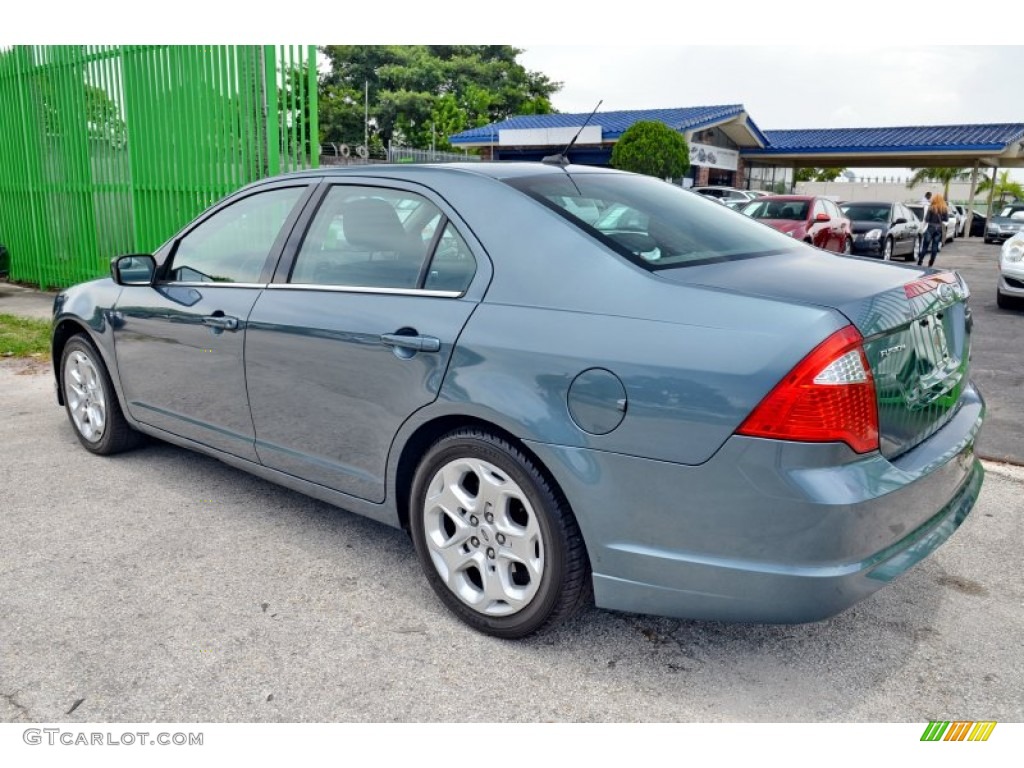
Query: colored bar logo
point(961, 730)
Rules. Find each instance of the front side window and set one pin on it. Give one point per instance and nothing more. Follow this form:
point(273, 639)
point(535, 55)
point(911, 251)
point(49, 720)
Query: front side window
point(651, 222)
point(232, 245)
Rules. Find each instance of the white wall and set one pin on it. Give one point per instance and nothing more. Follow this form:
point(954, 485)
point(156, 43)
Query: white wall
point(889, 191)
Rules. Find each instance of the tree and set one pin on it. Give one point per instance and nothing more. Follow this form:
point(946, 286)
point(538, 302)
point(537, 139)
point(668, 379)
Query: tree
point(817, 174)
point(942, 175)
point(1004, 187)
point(422, 94)
point(652, 148)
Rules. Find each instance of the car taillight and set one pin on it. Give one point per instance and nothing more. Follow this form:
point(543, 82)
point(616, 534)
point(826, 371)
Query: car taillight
point(828, 397)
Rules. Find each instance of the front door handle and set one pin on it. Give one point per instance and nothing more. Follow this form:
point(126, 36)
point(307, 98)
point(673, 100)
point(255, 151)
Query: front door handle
point(223, 322)
point(415, 343)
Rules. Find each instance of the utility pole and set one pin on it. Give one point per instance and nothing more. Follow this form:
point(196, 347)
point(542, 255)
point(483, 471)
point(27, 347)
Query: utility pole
point(366, 116)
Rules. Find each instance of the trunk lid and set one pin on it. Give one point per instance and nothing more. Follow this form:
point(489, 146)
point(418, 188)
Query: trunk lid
point(916, 327)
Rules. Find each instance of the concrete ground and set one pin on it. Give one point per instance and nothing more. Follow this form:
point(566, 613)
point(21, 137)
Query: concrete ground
point(25, 302)
point(161, 585)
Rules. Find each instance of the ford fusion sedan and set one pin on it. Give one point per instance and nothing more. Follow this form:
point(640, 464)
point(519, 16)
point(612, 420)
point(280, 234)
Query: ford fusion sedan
point(567, 384)
point(814, 220)
point(882, 229)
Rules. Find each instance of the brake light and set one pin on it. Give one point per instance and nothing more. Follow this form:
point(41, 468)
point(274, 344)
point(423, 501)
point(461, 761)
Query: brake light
point(828, 397)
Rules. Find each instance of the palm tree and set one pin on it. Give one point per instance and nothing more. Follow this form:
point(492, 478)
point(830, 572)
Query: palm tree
point(1004, 187)
point(944, 175)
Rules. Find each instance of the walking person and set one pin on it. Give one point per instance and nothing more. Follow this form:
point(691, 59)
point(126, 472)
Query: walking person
point(933, 219)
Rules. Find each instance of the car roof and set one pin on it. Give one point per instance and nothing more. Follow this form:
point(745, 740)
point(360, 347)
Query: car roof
point(497, 170)
point(868, 202)
point(796, 198)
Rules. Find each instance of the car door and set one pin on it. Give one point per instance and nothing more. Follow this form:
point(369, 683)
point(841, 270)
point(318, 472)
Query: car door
point(899, 230)
point(179, 343)
point(356, 331)
point(819, 232)
point(837, 234)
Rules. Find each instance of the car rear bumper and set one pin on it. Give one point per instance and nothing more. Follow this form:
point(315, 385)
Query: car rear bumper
point(766, 531)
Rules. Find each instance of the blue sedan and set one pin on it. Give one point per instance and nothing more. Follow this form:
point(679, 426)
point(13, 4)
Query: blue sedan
point(568, 384)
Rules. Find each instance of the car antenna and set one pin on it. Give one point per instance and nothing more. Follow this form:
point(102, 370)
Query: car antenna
point(562, 158)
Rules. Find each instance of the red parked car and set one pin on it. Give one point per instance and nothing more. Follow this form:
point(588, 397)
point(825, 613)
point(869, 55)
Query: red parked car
point(815, 220)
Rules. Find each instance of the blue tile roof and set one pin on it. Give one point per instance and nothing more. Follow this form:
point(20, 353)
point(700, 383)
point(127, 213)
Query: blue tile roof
point(613, 124)
point(944, 138)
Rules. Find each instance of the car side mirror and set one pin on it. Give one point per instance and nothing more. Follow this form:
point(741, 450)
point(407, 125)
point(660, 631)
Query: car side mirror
point(133, 269)
point(899, 221)
point(822, 217)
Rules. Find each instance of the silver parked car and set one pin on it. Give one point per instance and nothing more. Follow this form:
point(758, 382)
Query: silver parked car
point(566, 383)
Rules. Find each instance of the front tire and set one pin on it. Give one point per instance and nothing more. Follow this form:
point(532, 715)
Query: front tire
point(498, 544)
point(887, 250)
point(91, 402)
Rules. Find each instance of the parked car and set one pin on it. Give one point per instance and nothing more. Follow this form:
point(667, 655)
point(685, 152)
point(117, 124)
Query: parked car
point(882, 229)
point(961, 219)
point(815, 220)
point(679, 411)
point(978, 224)
point(1004, 224)
point(725, 194)
point(948, 224)
point(1010, 288)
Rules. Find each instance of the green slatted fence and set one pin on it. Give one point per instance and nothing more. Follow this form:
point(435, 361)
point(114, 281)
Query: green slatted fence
point(107, 150)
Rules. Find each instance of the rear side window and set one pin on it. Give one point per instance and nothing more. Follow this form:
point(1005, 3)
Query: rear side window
point(375, 237)
point(651, 222)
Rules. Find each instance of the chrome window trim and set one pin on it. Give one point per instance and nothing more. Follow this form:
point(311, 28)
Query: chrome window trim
point(365, 289)
point(209, 284)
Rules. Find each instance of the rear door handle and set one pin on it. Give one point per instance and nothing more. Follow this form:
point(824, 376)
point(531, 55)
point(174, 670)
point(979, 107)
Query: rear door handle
point(415, 343)
point(223, 322)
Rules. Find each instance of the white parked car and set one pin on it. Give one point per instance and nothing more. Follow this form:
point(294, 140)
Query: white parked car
point(961, 219)
point(1010, 289)
point(948, 226)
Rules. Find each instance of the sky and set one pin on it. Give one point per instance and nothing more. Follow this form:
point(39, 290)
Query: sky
point(794, 86)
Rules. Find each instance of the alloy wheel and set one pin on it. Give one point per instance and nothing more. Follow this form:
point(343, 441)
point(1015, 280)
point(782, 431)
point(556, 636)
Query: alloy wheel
point(86, 398)
point(483, 537)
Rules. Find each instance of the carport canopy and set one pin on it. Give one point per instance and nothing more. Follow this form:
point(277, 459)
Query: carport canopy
point(991, 145)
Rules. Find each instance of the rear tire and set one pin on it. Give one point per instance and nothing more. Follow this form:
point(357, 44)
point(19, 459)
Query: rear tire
point(498, 544)
point(91, 402)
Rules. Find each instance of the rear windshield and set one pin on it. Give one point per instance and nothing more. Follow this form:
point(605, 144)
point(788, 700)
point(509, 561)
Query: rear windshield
point(879, 213)
point(1009, 210)
point(777, 210)
point(651, 222)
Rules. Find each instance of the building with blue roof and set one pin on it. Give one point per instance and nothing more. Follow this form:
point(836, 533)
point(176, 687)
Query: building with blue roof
point(727, 147)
